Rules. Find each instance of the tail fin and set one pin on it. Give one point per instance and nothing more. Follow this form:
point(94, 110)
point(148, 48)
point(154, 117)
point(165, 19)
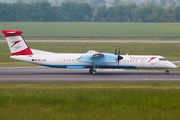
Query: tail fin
point(16, 43)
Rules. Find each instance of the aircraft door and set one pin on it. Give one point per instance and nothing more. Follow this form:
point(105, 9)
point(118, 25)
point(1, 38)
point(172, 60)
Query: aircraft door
point(61, 61)
point(141, 64)
point(166, 64)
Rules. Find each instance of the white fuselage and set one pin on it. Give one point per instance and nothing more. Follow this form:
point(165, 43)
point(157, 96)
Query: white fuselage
point(92, 59)
point(70, 60)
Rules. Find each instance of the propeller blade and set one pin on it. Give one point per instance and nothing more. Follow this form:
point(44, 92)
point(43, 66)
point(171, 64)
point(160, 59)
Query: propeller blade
point(119, 52)
point(119, 57)
point(116, 51)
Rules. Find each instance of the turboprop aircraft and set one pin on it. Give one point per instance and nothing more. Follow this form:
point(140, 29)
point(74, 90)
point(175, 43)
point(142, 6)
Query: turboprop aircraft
point(91, 60)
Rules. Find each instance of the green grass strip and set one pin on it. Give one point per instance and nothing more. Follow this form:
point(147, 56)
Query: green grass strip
point(93, 29)
point(90, 100)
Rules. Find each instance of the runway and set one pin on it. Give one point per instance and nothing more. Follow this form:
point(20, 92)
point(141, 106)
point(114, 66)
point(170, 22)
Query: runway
point(42, 74)
point(106, 41)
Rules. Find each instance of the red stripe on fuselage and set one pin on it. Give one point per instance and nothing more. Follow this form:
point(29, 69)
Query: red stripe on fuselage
point(152, 58)
point(26, 51)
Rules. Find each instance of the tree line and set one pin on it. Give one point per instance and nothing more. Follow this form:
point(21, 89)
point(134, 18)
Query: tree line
point(79, 12)
point(133, 13)
point(44, 12)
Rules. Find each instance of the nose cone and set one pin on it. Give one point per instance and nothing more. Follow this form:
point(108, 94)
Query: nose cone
point(171, 66)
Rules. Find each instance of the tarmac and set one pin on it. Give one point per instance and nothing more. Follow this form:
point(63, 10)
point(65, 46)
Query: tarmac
point(44, 74)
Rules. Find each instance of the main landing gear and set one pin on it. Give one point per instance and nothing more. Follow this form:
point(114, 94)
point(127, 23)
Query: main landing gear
point(93, 70)
point(167, 71)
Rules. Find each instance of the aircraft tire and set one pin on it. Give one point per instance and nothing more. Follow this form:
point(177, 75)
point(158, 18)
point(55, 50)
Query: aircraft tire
point(167, 71)
point(90, 70)
point(94, 72)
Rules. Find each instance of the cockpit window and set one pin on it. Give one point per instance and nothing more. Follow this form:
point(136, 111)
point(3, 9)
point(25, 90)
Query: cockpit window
point(162, 59)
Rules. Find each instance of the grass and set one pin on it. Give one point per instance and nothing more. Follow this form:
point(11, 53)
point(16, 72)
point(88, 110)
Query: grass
point(93, 30)
point(17, 64)
point(151, 39)
point(90, 100)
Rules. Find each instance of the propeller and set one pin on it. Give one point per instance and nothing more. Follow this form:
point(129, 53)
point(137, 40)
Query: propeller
point(119, 56)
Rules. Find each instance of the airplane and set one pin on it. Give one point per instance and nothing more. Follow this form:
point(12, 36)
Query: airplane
point(91, 60)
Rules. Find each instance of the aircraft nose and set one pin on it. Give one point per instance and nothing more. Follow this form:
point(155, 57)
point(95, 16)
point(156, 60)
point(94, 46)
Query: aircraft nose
point(171, 65)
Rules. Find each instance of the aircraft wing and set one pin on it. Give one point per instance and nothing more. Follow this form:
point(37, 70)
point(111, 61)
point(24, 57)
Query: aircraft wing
point(98, 58)
point(96, 55)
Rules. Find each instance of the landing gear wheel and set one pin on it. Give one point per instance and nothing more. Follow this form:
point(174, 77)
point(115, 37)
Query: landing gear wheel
point(167, 71)
point(90, 70)
point(94, 72)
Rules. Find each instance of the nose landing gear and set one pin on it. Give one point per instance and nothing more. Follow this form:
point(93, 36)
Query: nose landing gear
point(167, 71)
